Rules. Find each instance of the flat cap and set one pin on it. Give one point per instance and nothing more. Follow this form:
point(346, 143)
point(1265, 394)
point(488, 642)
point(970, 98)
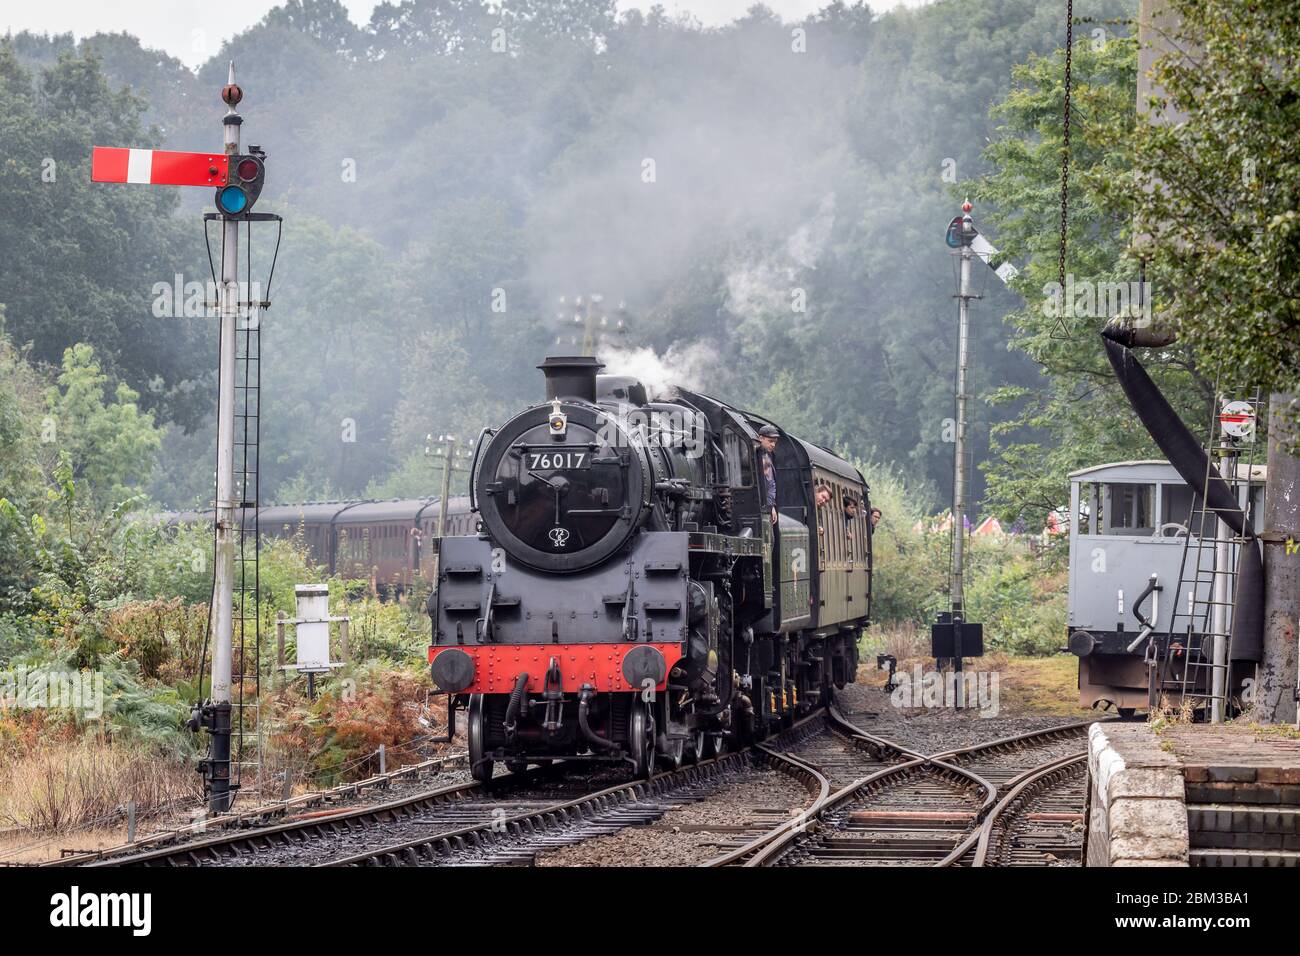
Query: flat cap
point(769, 431)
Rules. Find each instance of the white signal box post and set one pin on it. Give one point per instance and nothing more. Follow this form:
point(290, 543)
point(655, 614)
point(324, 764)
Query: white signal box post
point(312, 629)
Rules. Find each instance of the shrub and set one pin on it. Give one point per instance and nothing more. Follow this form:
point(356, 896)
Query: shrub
point(335, 737)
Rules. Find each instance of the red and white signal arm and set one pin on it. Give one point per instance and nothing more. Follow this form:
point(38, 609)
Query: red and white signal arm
point(1237, 419)
point(157, 167)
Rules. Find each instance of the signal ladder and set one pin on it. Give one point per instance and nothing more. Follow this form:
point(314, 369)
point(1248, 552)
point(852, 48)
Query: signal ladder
point(246, 665)
point(1183, 660)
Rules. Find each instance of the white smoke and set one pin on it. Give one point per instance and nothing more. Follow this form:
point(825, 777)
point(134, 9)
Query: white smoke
point(685, 365)
point(764, 286)
point(808, 242)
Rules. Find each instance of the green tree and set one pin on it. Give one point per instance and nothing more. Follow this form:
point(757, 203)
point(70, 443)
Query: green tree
point(81, 258)
point(1224, 212)
point(110, 444)
point(21, 482)
point(1075, 414)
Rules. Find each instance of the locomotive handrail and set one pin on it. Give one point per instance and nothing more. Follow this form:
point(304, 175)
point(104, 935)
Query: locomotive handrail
point(487, 431)
point(485, 626)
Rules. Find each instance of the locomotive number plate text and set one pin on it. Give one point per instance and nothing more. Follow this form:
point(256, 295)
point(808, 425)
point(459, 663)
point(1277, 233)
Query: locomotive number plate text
point(554, 460)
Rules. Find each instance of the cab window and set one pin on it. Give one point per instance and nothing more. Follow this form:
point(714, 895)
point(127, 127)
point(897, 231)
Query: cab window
point(1176, 507)
point(740, 459)
point(1127, 509)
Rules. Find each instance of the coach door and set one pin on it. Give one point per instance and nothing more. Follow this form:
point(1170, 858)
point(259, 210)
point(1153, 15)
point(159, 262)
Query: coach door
point(832, 552)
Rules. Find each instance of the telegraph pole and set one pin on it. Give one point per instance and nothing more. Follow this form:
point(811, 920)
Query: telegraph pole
point(450, 453)
point(1278, 695)
point(589, 314)
point(223, 602)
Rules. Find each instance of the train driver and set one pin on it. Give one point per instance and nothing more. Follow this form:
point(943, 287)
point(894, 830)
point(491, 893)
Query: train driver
point(767, 436)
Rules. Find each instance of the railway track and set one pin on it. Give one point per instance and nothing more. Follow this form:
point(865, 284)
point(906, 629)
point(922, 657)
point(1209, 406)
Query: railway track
point(318, 803)
point(867, 801)
point(507, 821)
point(520, 839)
point(1039, 821)
point(943, 810)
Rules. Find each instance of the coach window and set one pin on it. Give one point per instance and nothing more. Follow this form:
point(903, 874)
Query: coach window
point(832, 534)
point(856, 531)
point(821, 517)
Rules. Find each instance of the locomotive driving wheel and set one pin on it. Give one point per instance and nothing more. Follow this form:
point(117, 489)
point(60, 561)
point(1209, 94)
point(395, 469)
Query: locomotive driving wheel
point(699, 743)
point(480, 765)
point(641, 739)
point(672, 752)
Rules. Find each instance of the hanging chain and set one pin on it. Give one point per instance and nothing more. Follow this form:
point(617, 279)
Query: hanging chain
point(1065, 142)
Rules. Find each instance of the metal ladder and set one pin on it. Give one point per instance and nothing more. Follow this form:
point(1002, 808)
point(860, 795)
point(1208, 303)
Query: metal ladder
point(246, 671)
point(1182, 661)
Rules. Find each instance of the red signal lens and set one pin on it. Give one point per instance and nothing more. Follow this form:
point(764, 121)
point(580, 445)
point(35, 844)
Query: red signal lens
point(248, 169)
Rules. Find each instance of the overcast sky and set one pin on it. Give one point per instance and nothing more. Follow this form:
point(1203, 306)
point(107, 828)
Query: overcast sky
point(193, 30)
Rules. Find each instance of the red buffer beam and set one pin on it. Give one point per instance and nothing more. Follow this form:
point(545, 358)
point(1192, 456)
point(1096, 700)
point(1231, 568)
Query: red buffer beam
point(157, 167)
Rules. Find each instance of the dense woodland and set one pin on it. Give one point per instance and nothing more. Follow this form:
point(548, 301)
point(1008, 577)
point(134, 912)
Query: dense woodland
point(419, 170)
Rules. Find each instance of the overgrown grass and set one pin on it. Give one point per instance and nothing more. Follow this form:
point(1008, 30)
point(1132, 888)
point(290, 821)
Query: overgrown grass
point(66, 784)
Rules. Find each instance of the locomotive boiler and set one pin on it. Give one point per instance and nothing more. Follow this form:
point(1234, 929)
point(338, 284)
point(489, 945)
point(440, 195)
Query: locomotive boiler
point(627, 596)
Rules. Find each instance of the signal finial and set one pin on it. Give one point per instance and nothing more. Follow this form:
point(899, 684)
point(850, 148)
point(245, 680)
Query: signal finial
point(230, 93)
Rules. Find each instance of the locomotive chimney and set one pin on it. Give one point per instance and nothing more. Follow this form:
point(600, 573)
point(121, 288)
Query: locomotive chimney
point(571, 376)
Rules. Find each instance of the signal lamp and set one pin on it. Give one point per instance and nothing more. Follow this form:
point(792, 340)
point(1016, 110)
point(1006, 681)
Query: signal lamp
point(243, 183)
point(231, 200)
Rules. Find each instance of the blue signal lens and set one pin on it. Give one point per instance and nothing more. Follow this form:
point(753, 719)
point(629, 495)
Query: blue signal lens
point(232, 200)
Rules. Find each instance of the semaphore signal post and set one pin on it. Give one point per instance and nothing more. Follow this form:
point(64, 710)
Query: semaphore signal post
point(237, 178)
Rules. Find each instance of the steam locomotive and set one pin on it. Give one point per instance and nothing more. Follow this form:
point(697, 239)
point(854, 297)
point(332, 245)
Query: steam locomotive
point(628, 596)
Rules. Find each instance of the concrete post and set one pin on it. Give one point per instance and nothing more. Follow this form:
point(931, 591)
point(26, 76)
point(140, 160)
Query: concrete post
point(1275, 696)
